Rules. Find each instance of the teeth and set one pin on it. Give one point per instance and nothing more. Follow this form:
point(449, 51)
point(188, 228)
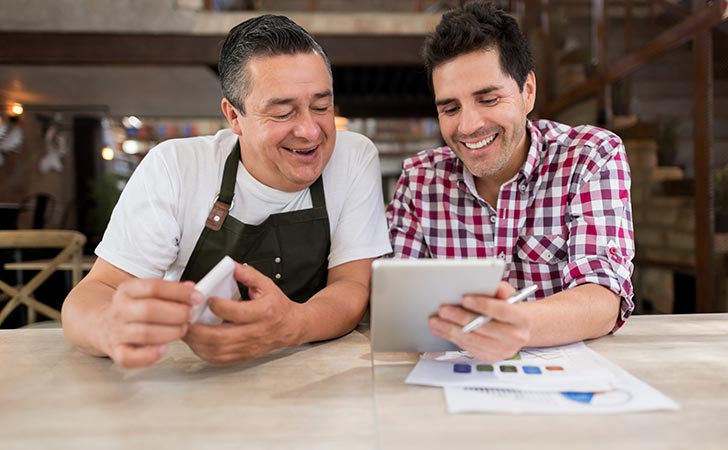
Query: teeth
point(481, 144)
point(307, 150)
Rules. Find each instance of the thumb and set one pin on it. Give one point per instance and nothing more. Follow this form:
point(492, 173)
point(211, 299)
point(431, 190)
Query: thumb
point(256, 282)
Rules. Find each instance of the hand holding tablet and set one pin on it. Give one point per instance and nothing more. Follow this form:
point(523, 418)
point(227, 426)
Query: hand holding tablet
point(405, 292)
point(219, 282)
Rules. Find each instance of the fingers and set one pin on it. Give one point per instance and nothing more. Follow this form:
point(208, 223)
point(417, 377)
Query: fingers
point(160, 312)
point(505, 290)
point(510, 322)
point(507, 332)
point(496, 345)
point(145, 334)
point(130, 356)
point(499, 310)
point(160, 289)
point(227, 343)
point(267, 302)
point(144, 316)
point(243, 312)
point(256, 282)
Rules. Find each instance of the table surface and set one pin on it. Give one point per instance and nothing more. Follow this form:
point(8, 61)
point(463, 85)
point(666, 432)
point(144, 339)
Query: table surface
point(336, 395)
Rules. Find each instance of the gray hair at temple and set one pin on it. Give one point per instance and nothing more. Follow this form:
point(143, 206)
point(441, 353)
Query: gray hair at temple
point(266, 35)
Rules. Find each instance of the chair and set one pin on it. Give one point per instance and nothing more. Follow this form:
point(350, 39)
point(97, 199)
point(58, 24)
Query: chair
point(71, 245)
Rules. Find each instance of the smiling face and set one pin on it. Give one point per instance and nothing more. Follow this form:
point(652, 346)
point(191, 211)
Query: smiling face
point(287, 134)
point(482, 115)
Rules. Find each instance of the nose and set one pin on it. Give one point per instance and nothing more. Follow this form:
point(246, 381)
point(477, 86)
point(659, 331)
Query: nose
point(307, 127)
point(470, 120)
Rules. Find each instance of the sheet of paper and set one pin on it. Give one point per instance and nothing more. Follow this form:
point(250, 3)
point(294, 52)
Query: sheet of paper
point(573, 368)
point(628, 395)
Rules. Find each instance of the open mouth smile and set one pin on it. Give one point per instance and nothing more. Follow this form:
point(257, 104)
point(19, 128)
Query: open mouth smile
point(482, 143)
point(302, 151)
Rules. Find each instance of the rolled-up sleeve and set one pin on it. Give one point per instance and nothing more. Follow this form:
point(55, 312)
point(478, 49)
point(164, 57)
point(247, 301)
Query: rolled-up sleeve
point(601, 242)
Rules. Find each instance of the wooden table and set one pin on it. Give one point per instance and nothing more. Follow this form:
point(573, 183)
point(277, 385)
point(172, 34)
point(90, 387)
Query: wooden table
point(334, 395)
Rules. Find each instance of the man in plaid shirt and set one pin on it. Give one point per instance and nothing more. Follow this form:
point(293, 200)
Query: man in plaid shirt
point(551, 200)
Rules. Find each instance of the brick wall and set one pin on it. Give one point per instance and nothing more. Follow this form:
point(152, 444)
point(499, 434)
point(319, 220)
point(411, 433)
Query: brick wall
point(664, 228)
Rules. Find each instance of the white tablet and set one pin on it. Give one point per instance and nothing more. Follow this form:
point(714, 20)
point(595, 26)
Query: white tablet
point(405, 292)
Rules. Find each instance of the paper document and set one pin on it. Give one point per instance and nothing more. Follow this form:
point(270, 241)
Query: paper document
point(569, 367)
point(628, 395)
point(570, 379)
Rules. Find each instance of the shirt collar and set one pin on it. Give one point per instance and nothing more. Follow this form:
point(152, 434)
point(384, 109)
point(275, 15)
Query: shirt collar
point(533, 158)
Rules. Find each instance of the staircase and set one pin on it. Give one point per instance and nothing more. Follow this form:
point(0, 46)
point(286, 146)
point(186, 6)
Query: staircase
point(659, 144)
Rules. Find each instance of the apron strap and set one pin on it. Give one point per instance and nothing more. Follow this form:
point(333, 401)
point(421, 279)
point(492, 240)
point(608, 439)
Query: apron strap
point(318, 199)
point(227, 187)
point(224, 201)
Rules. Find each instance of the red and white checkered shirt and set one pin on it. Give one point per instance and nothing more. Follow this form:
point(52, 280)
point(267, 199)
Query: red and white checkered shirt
point(564, 219)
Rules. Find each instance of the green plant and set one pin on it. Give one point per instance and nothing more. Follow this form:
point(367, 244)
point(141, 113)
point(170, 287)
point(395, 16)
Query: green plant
point(105, 190)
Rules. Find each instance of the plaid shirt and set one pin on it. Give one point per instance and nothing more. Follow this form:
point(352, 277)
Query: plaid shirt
point(564, 219)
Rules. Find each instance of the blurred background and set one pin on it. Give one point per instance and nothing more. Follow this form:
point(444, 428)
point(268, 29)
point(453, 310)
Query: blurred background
point(87, 87)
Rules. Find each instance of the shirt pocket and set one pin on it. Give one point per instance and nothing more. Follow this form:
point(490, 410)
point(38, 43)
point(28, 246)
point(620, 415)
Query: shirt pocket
point(544, 249)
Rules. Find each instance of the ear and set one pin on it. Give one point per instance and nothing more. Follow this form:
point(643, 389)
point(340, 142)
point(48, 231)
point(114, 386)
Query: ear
point(232, 115)
point(529, 92)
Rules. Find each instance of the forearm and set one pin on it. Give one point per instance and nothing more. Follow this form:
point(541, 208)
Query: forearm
point(81, 314)
point(333, 312)
point(583, 312)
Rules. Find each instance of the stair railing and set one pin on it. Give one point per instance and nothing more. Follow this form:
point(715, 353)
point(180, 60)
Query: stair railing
point(696, 26)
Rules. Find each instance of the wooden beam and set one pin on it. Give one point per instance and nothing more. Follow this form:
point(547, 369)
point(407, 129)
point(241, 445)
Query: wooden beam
point(164, 49)
point(705, 272)
point(706, 18)
point(93, 48)
point(600, 48)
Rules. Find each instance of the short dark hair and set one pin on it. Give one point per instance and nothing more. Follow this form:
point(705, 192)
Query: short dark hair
point(266, 35)
point(479, 25)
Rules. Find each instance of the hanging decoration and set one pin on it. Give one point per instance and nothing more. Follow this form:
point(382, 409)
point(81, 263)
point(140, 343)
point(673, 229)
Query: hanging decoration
point(56, 146)
point(11, 137)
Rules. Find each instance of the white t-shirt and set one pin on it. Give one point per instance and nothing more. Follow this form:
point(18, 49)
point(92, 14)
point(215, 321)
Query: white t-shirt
point(162, 211)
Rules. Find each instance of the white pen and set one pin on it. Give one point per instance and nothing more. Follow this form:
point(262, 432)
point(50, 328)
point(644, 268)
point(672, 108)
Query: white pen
point(517, 296)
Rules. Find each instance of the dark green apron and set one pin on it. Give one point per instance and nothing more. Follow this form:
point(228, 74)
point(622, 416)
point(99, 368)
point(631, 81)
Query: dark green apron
point(291, 248)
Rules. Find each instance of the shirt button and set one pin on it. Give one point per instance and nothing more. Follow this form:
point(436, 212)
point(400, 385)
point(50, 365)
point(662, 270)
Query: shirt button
point(278, 276)
point(278, 259)
point(502, 255)
point(492, 219)
point(523, 188)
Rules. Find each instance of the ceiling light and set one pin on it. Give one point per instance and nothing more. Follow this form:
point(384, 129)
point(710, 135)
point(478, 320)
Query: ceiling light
point(131, 147)
point(107, 153)
point(16, 109)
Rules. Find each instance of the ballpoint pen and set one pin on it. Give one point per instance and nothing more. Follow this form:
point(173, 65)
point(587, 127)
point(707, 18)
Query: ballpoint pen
point(517, 296)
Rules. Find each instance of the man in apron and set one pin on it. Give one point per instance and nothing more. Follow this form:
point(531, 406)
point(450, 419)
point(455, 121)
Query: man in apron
point(281, 191)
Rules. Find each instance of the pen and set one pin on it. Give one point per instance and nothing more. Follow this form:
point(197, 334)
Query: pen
point(517, 296)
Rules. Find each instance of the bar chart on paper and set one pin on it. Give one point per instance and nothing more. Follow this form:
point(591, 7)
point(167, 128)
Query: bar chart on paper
point(570, 379)
point(546, 369)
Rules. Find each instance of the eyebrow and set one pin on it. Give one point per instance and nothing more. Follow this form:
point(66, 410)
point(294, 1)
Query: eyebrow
point(286, 101)
point(485, 90)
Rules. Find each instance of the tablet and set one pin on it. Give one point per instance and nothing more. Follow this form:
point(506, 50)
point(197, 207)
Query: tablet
point(405, 292)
